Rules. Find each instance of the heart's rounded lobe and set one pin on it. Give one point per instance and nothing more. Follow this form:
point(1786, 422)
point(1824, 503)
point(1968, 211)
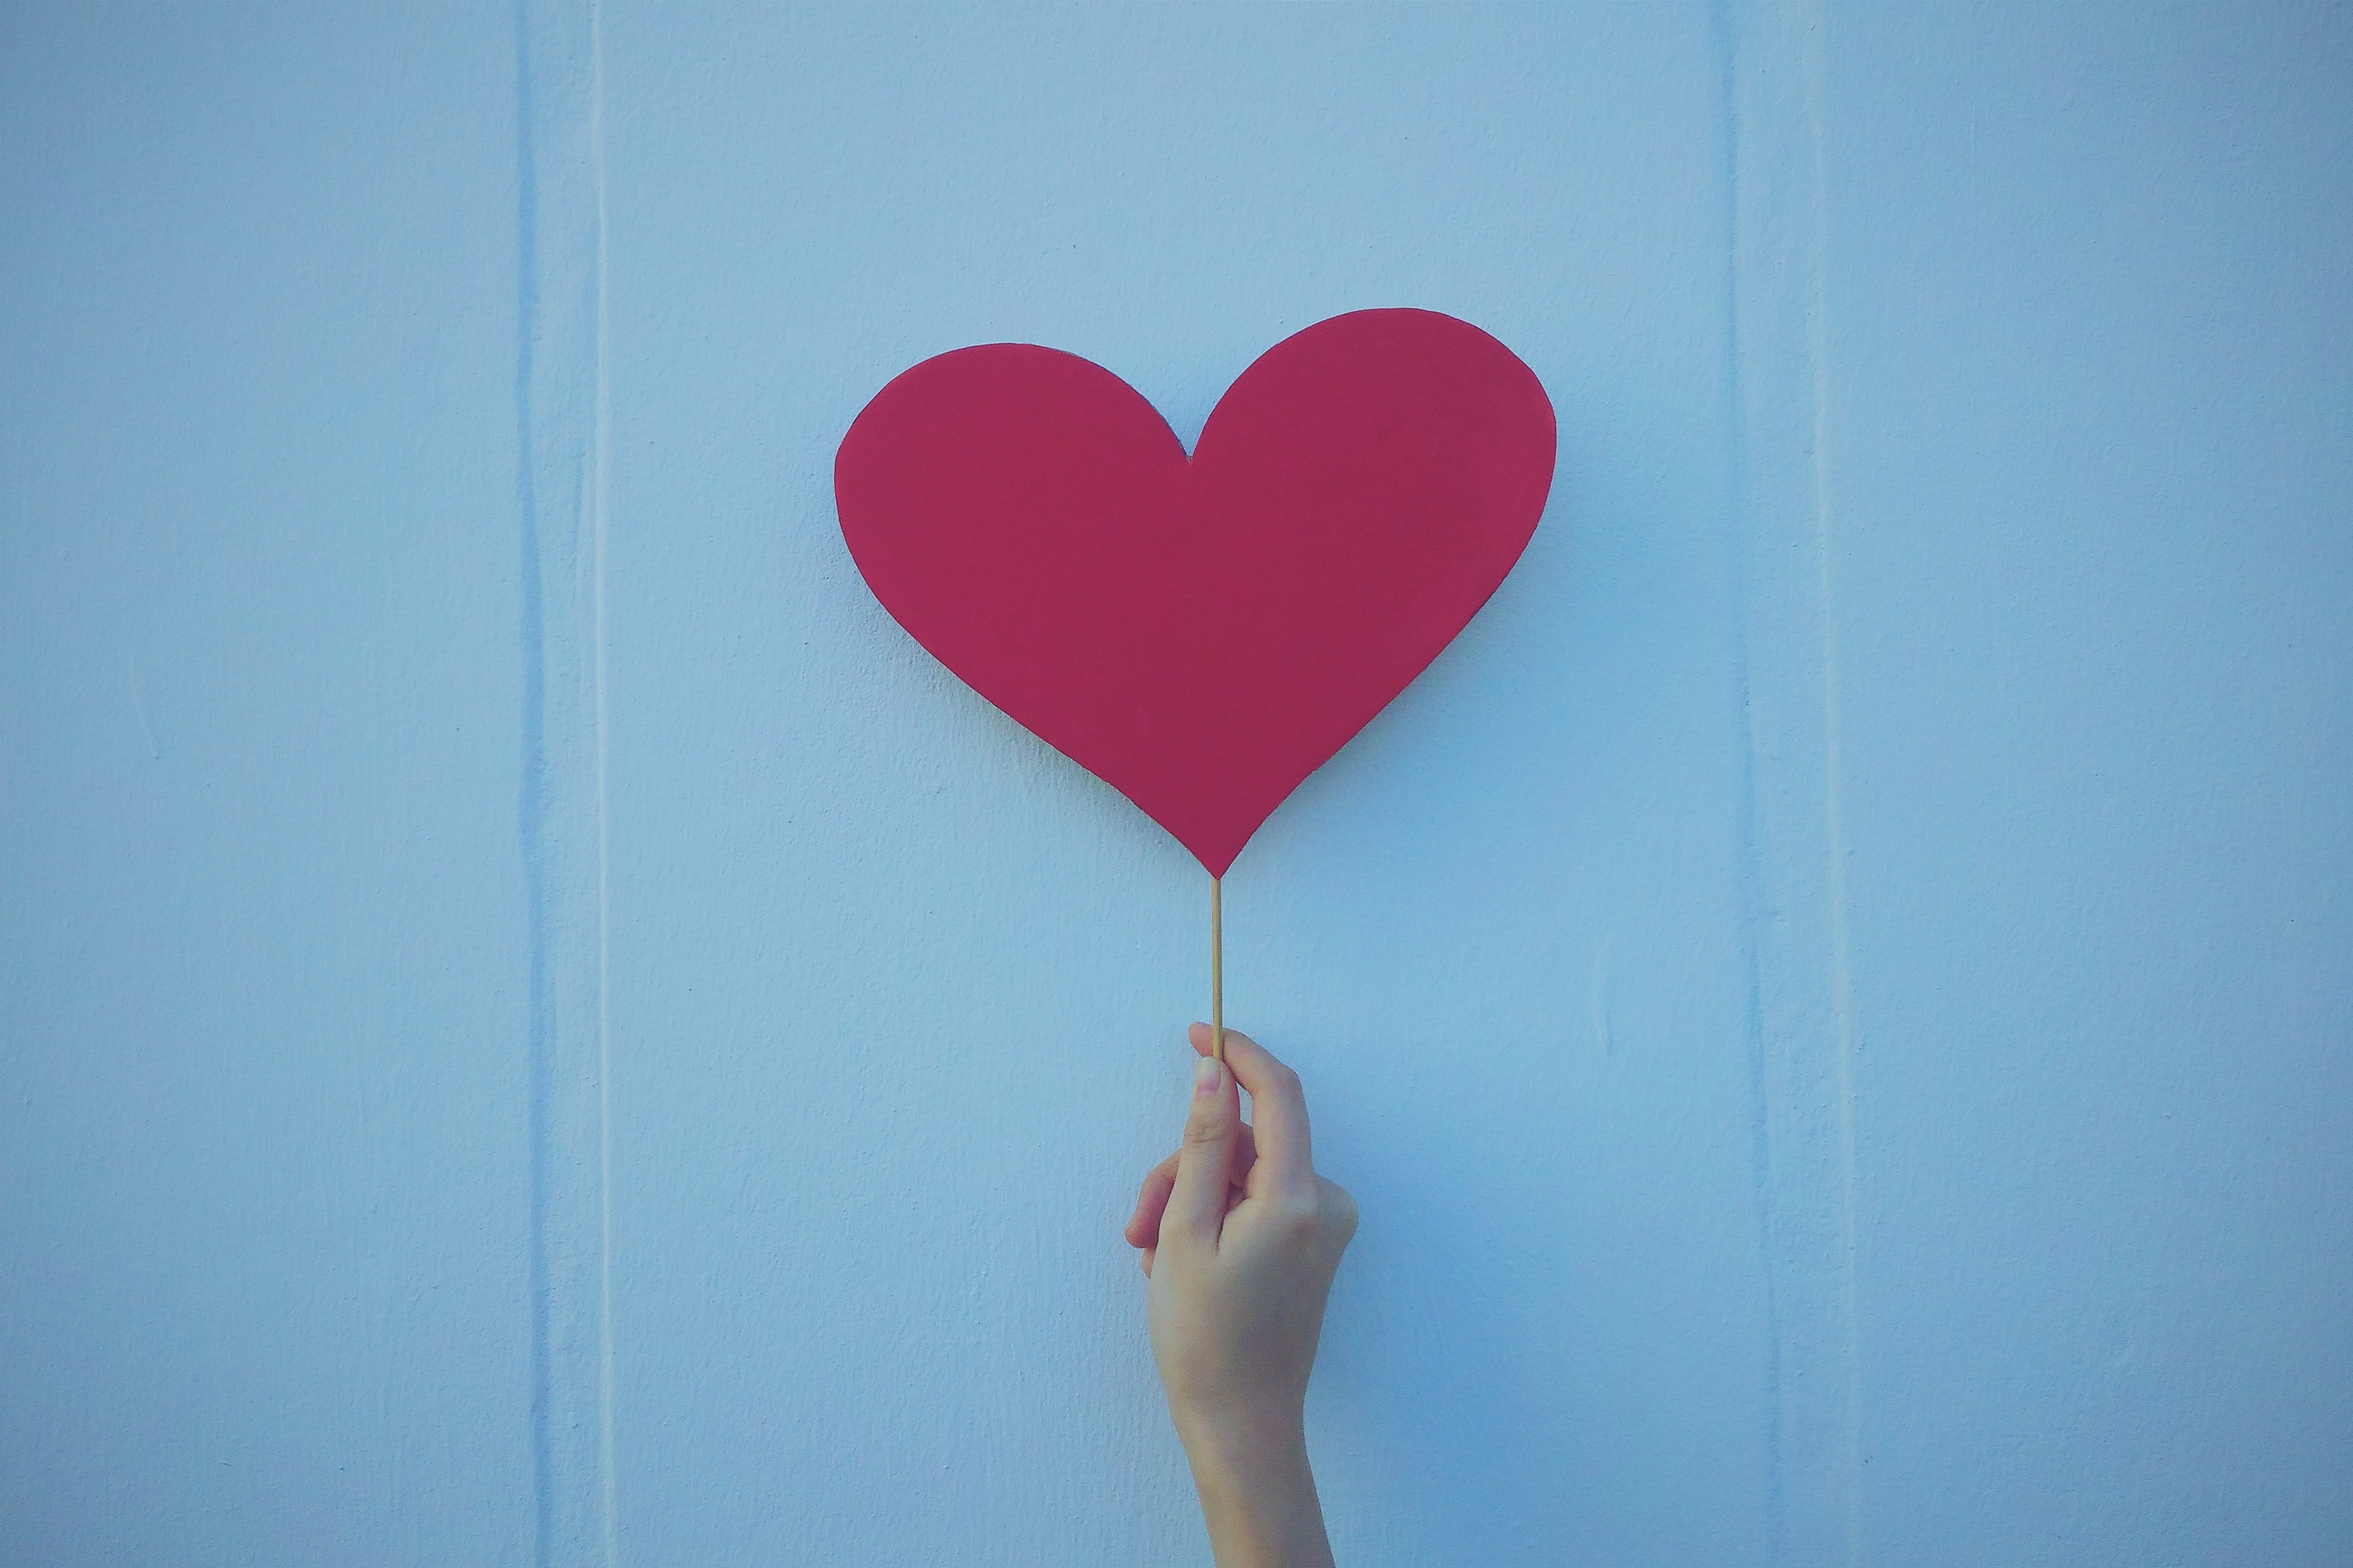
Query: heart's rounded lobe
point(1200, 634)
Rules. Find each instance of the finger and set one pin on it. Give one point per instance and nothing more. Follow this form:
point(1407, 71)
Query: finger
point(1277, 1110)
point(1144, 1225)
point(1197, 1202)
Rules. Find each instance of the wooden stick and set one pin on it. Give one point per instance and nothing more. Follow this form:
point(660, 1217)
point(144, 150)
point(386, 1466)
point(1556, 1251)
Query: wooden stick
point(1217, 970)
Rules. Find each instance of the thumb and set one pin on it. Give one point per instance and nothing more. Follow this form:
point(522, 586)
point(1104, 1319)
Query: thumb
point(1197, 1206)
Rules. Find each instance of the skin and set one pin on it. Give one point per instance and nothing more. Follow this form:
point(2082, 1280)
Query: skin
point(1240, 1237)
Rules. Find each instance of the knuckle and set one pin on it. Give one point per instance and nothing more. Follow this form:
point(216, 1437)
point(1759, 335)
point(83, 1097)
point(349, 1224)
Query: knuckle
point(1299, 1216)
point(1339, 1208)
point(1203, 1132)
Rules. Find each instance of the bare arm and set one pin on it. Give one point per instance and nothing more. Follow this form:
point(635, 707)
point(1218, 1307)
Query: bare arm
point(1240, 1237)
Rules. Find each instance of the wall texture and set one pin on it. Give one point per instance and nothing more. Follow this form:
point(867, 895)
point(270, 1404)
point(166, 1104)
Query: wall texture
point(539, 1028)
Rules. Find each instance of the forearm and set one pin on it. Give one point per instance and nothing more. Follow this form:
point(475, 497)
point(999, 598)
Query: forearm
point(1258, 1494)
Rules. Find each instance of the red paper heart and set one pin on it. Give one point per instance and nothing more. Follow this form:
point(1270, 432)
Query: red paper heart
point(1200, 634)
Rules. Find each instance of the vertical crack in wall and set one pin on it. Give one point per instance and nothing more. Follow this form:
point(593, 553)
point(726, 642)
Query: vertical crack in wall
point(1793, 881)
point(560, 415)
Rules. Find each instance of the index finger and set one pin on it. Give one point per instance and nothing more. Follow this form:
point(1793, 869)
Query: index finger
point(1278, 1110)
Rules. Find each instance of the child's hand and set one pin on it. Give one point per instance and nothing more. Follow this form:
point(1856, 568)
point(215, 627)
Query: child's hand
point(1240, 1237)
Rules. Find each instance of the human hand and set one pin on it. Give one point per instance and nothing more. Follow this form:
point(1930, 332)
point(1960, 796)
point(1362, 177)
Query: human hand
point(1240, 1238)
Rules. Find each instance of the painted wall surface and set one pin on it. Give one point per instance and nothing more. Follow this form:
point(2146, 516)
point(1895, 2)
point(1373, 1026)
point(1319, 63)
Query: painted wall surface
point(538, 1026)
point(264, 1186)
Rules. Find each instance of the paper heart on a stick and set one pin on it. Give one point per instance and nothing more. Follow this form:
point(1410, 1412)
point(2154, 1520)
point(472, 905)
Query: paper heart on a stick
point(1200, 633)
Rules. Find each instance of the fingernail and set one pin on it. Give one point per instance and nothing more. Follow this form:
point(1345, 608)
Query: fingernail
point(1209, 1077)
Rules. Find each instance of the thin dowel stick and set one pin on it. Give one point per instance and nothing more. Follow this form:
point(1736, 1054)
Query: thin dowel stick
point(1217, 970)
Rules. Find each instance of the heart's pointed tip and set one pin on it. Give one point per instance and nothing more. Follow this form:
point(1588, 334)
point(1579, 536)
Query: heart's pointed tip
point(1215, 860)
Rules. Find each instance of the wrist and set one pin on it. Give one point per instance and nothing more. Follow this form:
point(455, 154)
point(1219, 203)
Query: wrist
point(1258, 1492)
point(1237, 1444)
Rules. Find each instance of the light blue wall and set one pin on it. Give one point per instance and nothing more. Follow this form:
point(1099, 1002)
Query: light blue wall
point(538, 1026)
point(263, 1191)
